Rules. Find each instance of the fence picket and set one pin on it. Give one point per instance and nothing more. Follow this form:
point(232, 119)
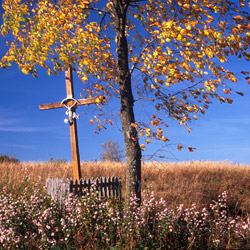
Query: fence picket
point(109, 187)
point(112, 186)
point(60, 189)
point(97, 183)
point(105, 186)
point(101, 190)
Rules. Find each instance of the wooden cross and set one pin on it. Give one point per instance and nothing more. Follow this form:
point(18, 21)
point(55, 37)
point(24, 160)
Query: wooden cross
point(71, 104)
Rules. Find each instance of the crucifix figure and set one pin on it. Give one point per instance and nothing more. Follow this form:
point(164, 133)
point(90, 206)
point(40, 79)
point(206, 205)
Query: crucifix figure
point(71, 104)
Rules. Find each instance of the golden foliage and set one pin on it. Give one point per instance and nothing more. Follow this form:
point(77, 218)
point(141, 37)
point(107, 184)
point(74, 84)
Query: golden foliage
point(179, 47)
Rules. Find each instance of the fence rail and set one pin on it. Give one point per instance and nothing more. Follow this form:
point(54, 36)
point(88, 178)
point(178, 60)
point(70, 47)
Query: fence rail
point(60, 189)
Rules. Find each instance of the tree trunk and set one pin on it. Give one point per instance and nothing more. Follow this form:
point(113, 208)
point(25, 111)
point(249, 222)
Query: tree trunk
point(132, 147)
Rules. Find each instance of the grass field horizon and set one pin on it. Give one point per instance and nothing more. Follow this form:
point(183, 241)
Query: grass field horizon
point(198, 182)
point(185, 205)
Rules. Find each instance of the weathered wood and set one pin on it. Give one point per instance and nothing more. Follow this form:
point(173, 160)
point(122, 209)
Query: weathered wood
point(105, 187)
point(72, 123)
point(75, 151)
point(109, 187)
point(59, 189)
point(97, 183)
point(73, 129)
point(113, 186)
point(57, 105)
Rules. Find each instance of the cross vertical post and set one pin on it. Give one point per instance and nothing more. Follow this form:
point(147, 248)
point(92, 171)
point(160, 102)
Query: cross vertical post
point(73, 129)
point(71, 104)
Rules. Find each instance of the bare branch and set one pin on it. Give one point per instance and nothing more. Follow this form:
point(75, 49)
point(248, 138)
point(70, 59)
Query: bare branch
point(145, 98)
point(137, 61)
point(103, 18)
point(97, 9)
point(159, 153)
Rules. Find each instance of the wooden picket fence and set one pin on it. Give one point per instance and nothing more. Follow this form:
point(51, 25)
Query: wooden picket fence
point(105, 186)
point(60, 189)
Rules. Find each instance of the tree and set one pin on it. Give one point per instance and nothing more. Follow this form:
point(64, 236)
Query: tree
point(169, 55)
point(5, 158)
point(112, 151)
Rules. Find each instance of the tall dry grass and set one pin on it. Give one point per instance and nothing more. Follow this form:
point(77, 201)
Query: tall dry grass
point(179, 183)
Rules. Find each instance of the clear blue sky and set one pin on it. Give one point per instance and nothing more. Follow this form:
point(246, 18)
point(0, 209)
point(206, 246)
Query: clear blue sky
point(33, 135)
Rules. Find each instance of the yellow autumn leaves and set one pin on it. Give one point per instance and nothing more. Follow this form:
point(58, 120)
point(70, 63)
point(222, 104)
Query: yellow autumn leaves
point(99, 125)
point(182, 62)
point(155, 132)
point(192, 58)
point(59, 32)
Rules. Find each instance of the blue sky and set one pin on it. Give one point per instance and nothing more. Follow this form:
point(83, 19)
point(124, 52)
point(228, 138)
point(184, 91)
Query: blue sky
point(33, 135)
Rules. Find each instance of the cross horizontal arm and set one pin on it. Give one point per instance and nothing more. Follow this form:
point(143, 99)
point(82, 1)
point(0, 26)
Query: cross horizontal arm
point(56, 105)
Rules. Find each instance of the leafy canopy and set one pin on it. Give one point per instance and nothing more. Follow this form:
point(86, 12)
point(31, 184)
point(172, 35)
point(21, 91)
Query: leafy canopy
point(178, 50)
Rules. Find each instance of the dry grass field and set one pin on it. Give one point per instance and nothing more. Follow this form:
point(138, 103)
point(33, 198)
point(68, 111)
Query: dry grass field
point(179, 183)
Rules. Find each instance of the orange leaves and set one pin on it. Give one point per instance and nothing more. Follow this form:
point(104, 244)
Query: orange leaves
point(228, 100)
point(148, 131)
point(183, 32)
point(141, 132)
point(240, 93)
point(188, 128)
point(100, 127)
point(238, 18)
point(164, 138)
point(179, 37)
point(83, 78)
point(190, 149)
point(227, 91)
point(155, 122)
point(247, 26)
point(233, 78)
point(97, 119)
point(100, 99)
point(109, 5)
point(210, 53)
point(134, 125)
point(57, 32)
point(202, 110)
point(175, 58)
point(210, 18)
point(25, 70)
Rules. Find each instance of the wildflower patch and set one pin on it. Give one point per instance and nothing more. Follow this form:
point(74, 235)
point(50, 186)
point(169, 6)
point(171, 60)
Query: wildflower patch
point(35, 221)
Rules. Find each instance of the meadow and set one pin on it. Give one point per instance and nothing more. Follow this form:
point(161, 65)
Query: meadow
point(187, 205)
